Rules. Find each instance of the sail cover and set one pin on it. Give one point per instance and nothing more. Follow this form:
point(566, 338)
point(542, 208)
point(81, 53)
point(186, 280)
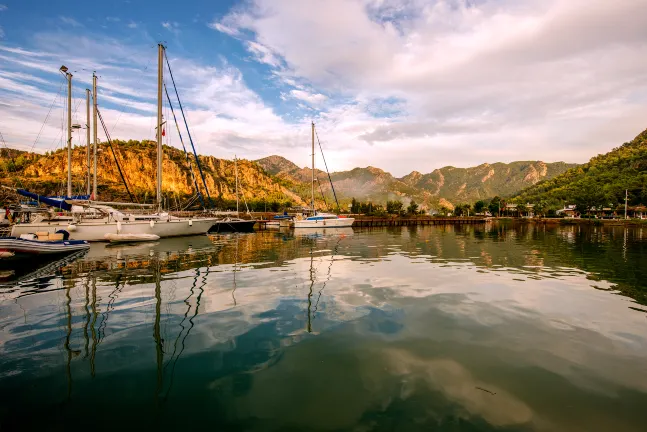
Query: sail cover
point(56, 202)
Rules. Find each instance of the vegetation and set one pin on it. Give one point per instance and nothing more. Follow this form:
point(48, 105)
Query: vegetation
point(599, 183)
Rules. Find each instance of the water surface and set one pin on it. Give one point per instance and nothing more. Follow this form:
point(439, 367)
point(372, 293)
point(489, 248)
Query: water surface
point(475, 328)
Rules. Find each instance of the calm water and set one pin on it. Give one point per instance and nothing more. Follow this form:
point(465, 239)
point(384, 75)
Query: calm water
point(438, 328)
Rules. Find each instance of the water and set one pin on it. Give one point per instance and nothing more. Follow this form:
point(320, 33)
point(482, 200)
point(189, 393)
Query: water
point(465, 328)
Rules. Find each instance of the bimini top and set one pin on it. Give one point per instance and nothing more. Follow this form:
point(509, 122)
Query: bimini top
point(323, 216)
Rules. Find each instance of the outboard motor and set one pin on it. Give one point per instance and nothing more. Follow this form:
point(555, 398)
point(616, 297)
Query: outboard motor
point(66, 235)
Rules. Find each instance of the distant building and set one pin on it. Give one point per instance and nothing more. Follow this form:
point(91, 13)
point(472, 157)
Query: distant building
point(569, 211)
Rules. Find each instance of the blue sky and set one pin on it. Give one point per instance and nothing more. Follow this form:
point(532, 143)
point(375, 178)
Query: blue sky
point(398, 84)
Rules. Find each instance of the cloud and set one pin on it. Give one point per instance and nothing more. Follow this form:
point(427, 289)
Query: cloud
point(311, 98)
point(113, 19)
point(1, 33)
point(3, 8)
point(70, 21)
point(491, 77)
point(172, 26)
point(262, 54)
point(132, 25)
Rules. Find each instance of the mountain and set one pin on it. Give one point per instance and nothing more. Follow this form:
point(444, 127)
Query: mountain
point(484, 181)
point(47, 174)
point(601, 181)
point(440, 187)
point(273, 179)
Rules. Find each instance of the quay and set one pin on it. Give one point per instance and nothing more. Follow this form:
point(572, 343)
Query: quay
point(376, 221)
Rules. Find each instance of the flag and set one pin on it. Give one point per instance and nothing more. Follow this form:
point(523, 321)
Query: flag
point(163, 132)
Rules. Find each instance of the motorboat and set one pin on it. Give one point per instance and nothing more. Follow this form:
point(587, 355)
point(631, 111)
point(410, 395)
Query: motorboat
point(41, 243)
point(276, 220)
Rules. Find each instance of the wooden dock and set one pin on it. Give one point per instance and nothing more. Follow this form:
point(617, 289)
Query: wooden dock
point(368, 221)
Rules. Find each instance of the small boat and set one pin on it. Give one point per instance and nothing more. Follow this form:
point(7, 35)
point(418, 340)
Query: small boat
point(233, 224)
point(130, 238)
point(29, 245)
point(276, 220)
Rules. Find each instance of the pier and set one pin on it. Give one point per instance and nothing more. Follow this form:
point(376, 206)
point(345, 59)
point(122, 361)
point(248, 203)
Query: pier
point(375, 221)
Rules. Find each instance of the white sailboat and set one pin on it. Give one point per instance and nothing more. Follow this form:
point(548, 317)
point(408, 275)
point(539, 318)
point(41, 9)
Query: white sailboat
point(105, 219)
point(320, 220)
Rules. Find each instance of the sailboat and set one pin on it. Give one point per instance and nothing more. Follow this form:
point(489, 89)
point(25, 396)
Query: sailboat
point(234, 224)
point(318, 219)
point(106, 219)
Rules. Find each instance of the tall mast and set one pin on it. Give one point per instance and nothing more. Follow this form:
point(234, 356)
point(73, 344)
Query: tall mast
point(87, 141)
point(160, 75)
point(69, 134)
point(236, 169)
point(94, 132)
point(313, 168)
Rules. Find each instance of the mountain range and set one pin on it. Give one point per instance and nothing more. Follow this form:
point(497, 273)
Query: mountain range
point(443, 186)
point(270, 179)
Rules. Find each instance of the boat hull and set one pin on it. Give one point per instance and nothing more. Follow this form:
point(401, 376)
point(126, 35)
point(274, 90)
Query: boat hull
point(232, 226)
point(96, 231)
point(324, 223)
point(14, 248)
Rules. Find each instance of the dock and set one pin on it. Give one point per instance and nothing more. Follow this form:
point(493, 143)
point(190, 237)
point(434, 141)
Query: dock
point(370, 221)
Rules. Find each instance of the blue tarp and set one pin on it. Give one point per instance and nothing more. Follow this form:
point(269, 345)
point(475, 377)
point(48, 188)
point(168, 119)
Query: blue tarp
point(56, 202)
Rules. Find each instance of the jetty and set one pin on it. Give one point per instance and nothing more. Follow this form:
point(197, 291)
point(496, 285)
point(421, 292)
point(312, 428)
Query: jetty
point(386, 221)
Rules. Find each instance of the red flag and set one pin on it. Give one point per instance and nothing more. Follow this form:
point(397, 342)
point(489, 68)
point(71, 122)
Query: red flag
point(163, 132)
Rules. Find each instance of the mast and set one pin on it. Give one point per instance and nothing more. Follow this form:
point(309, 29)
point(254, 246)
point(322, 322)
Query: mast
point(87, 127)
point(236, 169)
point(94, 127)
point(626, 196)
point(69, 134)
point(313, 169)
point(160, 75)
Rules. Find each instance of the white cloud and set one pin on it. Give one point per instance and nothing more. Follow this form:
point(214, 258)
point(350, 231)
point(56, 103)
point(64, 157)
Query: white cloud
point(172, 26)
point(70, 21)
point(113, 19)
point(1, 33)
point(496, 79)
point(132, 24)
point(311, 98)
point(3, 8)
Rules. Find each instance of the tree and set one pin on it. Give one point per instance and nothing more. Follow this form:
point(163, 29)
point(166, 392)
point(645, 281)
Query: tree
point(354, 206)
point(394, 207)
point(496, 204)
point(413, 208)
point(479, 206)
point(521, 208)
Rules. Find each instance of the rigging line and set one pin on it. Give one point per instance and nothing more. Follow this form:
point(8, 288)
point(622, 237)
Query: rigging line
point(121, 174)
point(323, 197)
point(186, 124)
point(130, 102)
point(47, 116)
point(188, 159)
point(326, 165)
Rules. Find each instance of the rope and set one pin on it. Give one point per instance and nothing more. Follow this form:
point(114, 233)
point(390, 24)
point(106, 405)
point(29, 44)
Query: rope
point(47, 117)
point(105, 129)
point(328, 172)
point(204, 182)
point(188, 159)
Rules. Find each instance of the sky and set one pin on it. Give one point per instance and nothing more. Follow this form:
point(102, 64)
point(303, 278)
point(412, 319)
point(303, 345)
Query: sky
point(401, 85)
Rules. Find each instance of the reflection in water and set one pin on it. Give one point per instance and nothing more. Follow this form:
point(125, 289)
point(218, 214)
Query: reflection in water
point(504, 327)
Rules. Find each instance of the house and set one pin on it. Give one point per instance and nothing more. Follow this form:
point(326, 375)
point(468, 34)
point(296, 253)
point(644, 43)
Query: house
point(513, 210)
point(637, 212)
point(569, 211)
